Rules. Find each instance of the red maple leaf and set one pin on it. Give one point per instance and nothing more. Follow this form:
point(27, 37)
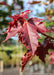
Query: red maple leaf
point(28, 35)
point(43, 48)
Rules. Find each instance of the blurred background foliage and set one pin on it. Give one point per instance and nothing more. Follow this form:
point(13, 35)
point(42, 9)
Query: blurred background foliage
point(10, 50)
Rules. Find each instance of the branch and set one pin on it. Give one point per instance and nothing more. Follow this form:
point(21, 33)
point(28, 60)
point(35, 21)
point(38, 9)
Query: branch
point(46, 35)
